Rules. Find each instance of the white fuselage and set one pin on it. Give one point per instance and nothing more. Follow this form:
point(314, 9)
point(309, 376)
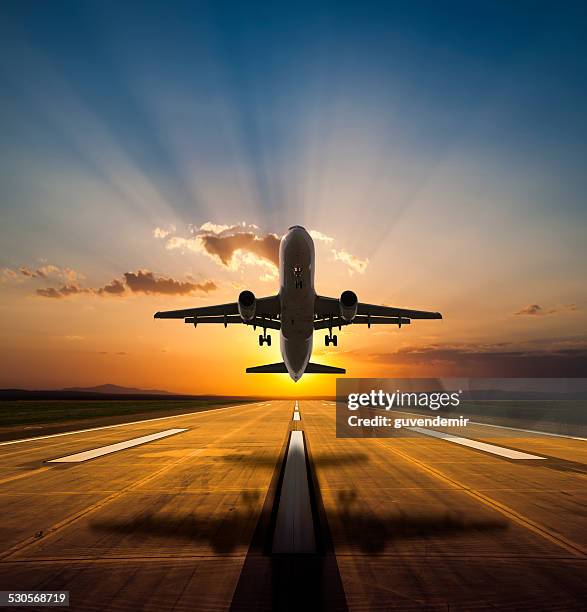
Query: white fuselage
point(297, 296)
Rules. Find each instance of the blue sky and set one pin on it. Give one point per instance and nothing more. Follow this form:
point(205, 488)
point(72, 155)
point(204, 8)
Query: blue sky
point(442, 143)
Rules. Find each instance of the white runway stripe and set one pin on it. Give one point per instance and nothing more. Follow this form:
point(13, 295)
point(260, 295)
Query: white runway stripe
point(483, 446)
point(113, 448)
point(294, 526)
point(296, 416)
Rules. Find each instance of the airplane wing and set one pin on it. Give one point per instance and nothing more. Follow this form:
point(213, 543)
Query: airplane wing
point(266, 314)
point(328, 314)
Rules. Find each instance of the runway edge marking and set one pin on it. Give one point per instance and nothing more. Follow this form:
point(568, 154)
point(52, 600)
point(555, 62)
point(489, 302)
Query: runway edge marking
point(553, 537)
point(78, 431)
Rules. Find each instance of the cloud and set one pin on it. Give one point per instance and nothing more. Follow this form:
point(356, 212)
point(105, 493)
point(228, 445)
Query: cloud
point(497, 360)
point(115, 287)
point(160, 232)
point(145, 281)
point(320, 237)
point(232, 246)
point(9, 275)
point(142, 281)
point(242, 245)
point(534, 310)
point(61, 292)
point(224, 247)
point(43, 272)
point(354, 263)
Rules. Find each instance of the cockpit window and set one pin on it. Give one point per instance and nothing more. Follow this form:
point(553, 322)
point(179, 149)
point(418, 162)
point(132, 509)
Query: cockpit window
point(297, 271)
point(296, 227)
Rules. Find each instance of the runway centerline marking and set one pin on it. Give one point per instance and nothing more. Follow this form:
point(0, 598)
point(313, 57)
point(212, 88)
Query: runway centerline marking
point(296, 416)
point(294, 526)
point(482, 446)
point(78, 431)
point(113, 448)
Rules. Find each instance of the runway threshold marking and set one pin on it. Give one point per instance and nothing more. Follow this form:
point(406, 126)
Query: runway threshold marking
point(482, 446)
point(294, 527)
point(520, 519)
point(78, 431)
point(113, 448)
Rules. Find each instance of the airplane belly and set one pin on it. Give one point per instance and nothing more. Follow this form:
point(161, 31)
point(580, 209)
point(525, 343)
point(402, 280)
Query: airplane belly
point(296, 354)
point(297, 296)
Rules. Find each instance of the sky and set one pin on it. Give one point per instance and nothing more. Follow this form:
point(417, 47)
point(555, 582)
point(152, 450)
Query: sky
point(153, 154)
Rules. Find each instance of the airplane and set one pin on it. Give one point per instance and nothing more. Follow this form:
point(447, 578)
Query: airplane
point(297, 311)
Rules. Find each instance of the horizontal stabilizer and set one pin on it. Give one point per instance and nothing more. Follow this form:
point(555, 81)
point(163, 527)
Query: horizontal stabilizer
point(270, 368)
point(279, 368)
point(318, 368)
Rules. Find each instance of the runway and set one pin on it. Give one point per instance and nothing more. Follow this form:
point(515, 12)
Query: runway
point(179, 514)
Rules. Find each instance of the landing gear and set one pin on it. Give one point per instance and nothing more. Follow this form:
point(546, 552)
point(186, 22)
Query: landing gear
point(328, 340)
point(264, 339)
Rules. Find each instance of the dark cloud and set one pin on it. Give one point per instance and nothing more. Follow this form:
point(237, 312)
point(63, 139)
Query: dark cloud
point(537, 310)
point(224, 246)
point(61, 292)
point(116, 287)
point(531, 309)
point(144, 281)
point(483, 361)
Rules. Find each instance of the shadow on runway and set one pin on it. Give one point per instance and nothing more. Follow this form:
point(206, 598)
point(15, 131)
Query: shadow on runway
point(373, 532)
point(223, 533)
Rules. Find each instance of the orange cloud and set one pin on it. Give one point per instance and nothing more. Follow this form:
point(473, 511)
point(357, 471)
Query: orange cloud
point(61, 292)
point(142, 281)
point(45, 271)
point(500, 360)
point(353, 263)
point(236, 246)
point(534, 310)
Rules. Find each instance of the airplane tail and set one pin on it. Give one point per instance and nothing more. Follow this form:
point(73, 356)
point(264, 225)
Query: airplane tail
point(279, 368)
point(270, 368)
point(318, 368)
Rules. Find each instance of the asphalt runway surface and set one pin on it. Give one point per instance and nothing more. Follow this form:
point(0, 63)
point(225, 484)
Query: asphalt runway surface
point(182, 513)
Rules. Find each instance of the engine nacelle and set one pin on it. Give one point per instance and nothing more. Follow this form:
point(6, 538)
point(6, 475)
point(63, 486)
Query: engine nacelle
point(247, 304)
point(348, 305)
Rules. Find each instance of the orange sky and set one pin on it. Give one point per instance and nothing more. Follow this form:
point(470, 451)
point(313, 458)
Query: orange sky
point(89, 337)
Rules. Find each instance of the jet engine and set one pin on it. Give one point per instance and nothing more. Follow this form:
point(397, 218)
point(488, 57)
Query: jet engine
point(348, 305)
point(247, 304)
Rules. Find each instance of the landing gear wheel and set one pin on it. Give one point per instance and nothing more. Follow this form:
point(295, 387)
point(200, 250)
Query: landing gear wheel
point(326, 341)
point(334, 340)
point(260, 340)
point(268, 340)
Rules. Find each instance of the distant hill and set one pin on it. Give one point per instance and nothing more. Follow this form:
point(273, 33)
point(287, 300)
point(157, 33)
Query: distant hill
point(115, 390)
